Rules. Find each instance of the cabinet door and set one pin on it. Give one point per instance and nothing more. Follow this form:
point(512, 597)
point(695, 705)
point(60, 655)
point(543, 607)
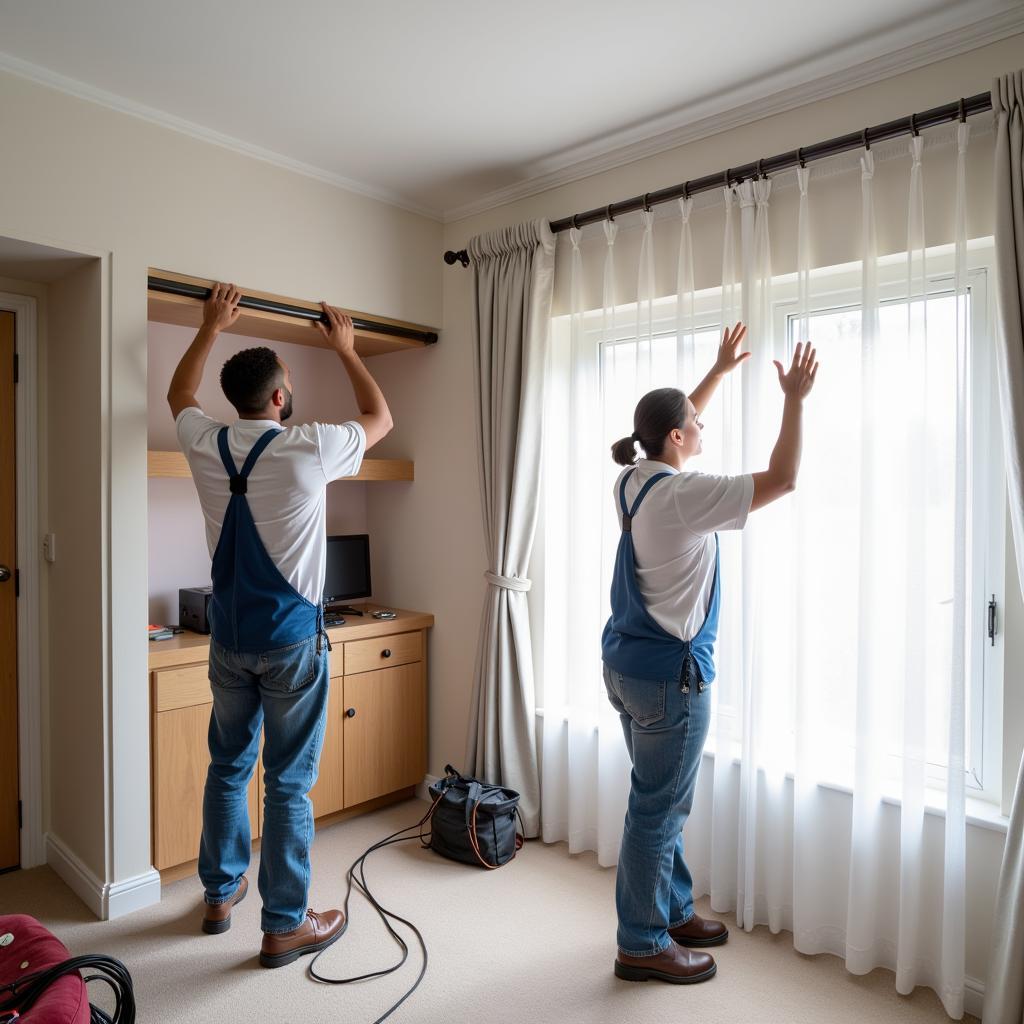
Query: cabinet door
point(385, 738)
point(328, 794)
point(180, 760)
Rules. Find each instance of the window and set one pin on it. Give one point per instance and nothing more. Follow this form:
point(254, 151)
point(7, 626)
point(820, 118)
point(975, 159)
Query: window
point(828, 628)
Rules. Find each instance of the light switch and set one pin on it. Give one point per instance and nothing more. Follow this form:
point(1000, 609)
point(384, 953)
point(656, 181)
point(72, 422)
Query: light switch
point(50, 547)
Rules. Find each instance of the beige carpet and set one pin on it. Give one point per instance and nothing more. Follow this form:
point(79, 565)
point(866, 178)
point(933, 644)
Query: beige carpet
point(531, 942)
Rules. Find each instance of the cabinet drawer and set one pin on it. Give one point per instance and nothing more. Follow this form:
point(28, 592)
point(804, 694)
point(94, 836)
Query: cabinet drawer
point(182, 687)
point(382, 652)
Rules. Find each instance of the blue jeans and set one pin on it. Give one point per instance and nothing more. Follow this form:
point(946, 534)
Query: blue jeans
point(665, 727)
point(285, 691)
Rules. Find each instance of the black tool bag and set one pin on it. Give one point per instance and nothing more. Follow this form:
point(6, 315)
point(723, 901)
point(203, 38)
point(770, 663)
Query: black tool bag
point(473, 821)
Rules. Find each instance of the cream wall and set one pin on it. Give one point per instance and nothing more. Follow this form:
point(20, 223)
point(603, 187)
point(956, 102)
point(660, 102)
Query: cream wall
point(437, 540)
point(91, 180)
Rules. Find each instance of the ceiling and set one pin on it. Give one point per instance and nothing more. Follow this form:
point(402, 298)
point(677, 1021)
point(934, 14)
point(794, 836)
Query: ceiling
point(446, 108)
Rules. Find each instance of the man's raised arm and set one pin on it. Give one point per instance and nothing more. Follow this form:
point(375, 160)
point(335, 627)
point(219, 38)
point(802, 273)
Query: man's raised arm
point(340, 335)
point(219, 311)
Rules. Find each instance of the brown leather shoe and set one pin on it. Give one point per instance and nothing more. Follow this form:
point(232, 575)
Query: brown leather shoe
point(698, 932)
point(317, 932)
point(217, 916)
point(674, 964)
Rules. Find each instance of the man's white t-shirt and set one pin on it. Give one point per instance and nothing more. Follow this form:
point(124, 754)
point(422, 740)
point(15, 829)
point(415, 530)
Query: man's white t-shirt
point(287, 488)
point(674, 542)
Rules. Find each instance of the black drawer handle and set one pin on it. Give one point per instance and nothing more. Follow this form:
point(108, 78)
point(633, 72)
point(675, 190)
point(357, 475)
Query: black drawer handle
point(350, 713)
point(386, 653)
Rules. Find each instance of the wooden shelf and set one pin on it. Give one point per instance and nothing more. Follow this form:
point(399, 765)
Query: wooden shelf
point(173, 464)
point(187, 311)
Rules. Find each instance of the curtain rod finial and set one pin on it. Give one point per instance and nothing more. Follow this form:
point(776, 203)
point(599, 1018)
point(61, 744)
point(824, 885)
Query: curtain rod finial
point(451, 257)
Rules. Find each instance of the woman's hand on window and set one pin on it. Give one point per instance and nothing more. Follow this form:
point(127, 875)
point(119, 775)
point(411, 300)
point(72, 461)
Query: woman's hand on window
point(729, 354)
point(799, 379)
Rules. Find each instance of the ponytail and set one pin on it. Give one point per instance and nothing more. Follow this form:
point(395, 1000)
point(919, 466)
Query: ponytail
point(624, 451)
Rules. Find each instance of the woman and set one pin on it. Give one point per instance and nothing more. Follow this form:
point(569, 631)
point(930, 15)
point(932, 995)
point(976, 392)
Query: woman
point(658, 648)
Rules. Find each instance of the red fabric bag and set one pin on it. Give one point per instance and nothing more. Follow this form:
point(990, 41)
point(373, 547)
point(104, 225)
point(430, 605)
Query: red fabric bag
point(31, 945)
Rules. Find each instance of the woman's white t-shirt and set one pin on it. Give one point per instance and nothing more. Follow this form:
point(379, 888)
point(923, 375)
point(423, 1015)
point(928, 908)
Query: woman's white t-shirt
point(287, 489)
point(673, 538)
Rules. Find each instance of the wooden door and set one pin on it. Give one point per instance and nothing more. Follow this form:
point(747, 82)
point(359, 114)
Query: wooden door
point(385, 738)
point(10, 829)
point(181, 757)
point(328, 794)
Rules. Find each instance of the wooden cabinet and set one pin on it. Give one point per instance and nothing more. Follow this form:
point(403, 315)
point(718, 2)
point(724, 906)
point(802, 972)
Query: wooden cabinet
point(375, 737)
point(385, 731)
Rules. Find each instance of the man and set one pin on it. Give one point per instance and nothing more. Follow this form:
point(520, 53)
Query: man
point(263, 493)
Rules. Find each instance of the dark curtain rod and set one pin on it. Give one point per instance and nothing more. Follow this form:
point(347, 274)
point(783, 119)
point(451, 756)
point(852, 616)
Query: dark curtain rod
point(195, 291)
point(911, 125)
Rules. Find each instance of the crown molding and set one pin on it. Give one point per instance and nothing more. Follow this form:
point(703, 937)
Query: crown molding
point(83, 91)
point(749, 103)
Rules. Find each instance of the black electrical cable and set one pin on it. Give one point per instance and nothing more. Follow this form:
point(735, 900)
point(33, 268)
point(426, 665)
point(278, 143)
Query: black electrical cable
point(356, 877)
point(24, 992)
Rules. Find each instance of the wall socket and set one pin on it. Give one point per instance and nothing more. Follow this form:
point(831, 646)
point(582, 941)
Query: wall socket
point(50, 547)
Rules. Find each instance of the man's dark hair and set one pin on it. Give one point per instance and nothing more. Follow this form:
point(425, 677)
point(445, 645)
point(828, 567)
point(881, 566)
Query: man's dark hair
point(249, 378)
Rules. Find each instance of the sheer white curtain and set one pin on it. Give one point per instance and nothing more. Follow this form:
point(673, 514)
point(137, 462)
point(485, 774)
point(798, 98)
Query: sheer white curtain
point(837, 615)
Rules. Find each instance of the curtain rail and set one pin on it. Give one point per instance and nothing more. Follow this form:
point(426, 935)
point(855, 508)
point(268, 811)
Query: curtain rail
point(910, 125)
point(162, 284)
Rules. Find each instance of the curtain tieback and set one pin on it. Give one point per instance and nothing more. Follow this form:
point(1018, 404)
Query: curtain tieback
point(520, 583)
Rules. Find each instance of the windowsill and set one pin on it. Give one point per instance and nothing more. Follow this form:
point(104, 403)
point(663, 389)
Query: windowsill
point(979, 813)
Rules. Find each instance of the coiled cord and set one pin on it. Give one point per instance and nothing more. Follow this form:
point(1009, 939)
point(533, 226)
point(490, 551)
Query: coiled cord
point(20, 995)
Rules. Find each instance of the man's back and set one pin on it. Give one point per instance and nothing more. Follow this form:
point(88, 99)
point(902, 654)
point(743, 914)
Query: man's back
point(286, 489)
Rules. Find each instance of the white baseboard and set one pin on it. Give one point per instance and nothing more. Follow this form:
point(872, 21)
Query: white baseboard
point(106, 900)
point(974, 996)
point(131, 894)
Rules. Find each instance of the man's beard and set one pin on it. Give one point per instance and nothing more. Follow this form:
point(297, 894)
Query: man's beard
point(286, 409)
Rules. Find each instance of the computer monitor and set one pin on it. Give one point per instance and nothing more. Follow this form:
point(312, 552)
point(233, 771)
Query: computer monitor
point(348, 568)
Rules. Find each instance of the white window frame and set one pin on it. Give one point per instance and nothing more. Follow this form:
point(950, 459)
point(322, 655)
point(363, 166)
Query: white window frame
point(839, 287)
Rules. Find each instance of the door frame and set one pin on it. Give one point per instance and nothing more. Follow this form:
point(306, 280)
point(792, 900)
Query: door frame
point(30, 748)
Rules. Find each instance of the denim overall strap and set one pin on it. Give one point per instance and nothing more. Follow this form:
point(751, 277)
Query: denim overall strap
point(238, 479)
point(627, 512)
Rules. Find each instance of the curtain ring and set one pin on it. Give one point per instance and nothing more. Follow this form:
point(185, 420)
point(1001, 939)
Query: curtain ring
point(686, 190)
point(647, 205)
point(574, 224)
point(608, 214)
point(913, 125)
point(961, 107)
point(760, 168)
point(864, 140)
point(800, 157)
point(728, 172)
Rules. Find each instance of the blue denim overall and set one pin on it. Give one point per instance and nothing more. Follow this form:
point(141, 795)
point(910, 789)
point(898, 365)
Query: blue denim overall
point(657, 683)
point(268, 670)
point(253, 608)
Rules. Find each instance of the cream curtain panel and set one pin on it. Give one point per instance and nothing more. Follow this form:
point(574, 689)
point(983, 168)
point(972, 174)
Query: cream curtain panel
point(1004, 993)
point(513, 271)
